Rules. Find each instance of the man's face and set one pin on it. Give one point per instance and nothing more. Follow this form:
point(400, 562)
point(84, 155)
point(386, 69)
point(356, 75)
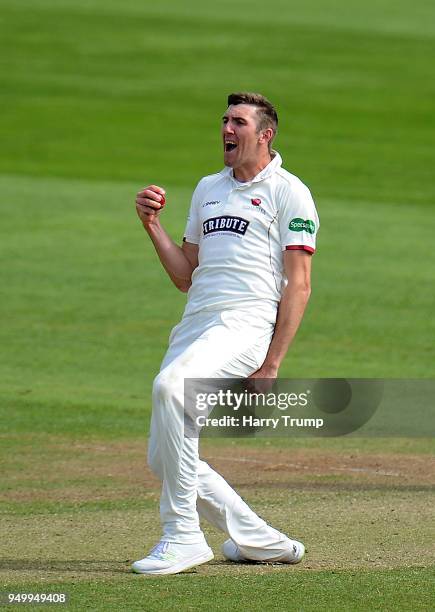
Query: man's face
point(240, 137)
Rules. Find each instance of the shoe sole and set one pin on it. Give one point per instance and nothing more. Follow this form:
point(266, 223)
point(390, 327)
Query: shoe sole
point(178, 567)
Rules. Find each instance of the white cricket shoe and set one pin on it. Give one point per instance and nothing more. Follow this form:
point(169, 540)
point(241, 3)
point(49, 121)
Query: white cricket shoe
point(294, 553)
point(171, 558)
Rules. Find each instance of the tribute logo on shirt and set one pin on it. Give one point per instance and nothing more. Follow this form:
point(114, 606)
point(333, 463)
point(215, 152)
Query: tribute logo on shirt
point(226, 223)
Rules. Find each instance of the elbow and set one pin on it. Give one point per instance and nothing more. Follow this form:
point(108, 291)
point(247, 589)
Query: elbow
point(302, 290)
point(182, 286)
point(304, 295)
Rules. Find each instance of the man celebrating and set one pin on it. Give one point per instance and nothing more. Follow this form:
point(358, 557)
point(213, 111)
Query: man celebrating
point(245, 263)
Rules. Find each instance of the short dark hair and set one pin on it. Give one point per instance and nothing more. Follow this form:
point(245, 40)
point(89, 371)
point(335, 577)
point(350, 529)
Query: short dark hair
point(267, 115)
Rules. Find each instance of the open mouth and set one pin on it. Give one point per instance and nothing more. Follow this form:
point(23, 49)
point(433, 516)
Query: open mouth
point(230, 145)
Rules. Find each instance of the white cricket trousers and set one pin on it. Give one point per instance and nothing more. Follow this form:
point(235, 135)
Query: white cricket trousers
point(218, 344)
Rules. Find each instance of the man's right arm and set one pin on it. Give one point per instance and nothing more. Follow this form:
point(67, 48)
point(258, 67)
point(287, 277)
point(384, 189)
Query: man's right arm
point(179, 262)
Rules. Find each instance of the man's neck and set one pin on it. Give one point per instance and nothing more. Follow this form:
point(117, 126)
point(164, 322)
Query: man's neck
point(246, 174)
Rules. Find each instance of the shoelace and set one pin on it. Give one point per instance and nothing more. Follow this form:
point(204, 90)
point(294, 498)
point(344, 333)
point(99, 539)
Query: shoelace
point(160, 552)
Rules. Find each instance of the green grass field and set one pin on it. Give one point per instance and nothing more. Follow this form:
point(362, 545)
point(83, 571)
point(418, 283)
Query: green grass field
point(100, 98)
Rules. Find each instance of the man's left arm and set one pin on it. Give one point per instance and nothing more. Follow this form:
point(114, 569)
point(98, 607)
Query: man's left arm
point(297, 266)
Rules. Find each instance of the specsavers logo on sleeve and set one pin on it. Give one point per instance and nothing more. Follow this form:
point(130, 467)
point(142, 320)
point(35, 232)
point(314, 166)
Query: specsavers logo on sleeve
point(299, 225)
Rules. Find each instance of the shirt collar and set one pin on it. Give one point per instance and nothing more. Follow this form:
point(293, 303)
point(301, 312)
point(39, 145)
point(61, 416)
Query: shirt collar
point(272, 166)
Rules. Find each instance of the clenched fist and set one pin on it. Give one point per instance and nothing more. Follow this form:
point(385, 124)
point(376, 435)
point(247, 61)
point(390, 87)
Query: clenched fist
point(149, 203)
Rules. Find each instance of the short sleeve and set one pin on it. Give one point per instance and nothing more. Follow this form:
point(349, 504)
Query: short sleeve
point(298, 218)
point(192, 232)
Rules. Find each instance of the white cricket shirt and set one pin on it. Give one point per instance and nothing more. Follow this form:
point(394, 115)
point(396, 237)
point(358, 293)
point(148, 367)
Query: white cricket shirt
point(242, 230)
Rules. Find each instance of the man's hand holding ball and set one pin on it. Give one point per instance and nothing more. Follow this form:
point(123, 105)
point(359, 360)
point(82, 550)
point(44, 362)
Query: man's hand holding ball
point(149, 203)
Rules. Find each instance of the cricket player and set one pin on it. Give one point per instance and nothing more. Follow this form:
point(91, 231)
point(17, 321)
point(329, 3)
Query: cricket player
point(245, 264)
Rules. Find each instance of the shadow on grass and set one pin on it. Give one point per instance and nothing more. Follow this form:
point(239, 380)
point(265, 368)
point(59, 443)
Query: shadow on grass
point(100, 565)
point(66, 565)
